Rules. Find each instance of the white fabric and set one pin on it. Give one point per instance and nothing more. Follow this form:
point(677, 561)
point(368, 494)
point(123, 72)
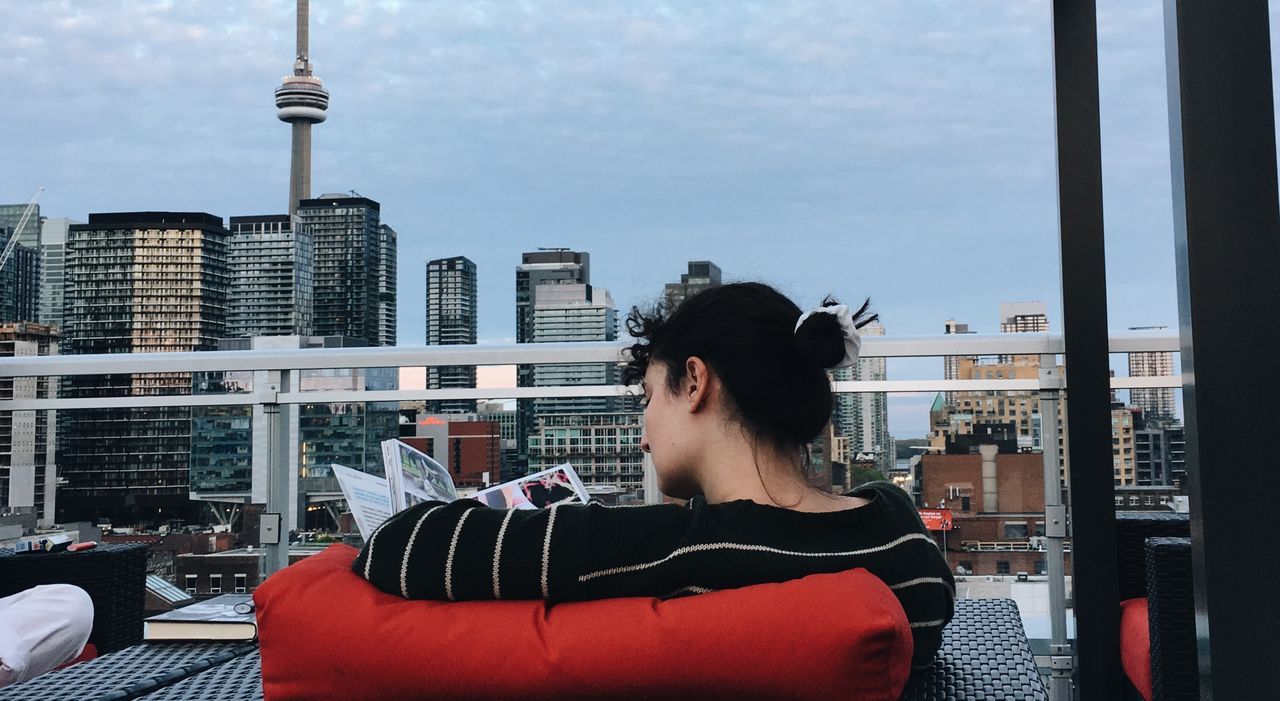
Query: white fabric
point(852, 341)
point(41, 628)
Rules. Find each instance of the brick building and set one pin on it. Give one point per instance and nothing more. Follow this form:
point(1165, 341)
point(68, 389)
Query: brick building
point(997, 505)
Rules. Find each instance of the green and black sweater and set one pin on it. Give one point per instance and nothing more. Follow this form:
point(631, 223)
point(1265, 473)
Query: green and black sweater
point(574, 552)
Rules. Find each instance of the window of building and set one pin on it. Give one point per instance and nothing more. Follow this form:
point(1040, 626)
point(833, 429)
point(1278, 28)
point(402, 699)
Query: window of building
point(1149, 500)
point(1119, 500)
point(966, 566)
point(1002, 567)
point(191, 584)
point(1015, 531)
point(242, 583)
point(964, 503)
point(215, 584)
point(1040, 567)
point(1133, 500)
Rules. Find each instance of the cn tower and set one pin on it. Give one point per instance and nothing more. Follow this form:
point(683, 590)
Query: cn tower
point(301, 101)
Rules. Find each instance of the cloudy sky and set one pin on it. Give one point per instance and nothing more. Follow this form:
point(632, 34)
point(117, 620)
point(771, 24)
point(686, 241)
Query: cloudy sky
point(900, 149)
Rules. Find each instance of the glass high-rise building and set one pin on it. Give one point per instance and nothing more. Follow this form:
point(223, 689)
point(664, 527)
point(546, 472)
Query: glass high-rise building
point(863, 418)
point(229, 444)
point(53, 239)
point(452, 302)
point(20, 276)
point(550, 266)
point(136, 282)
point(353, 268)
point(271, 278)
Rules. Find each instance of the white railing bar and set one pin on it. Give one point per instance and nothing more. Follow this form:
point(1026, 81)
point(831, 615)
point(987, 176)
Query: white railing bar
point(412, 395)
point(519, 353)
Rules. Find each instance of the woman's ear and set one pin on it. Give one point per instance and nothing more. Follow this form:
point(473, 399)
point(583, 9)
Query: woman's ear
point(697, 385)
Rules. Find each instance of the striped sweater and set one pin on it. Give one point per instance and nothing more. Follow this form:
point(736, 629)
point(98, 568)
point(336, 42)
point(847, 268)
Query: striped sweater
point(573, 552)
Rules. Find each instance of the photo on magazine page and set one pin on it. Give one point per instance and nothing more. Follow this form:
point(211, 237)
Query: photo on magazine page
point(536, 491)
point(420, 477)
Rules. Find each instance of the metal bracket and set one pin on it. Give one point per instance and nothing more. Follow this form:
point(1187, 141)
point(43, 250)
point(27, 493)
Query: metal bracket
point(1061, 663)
point(1055, 521)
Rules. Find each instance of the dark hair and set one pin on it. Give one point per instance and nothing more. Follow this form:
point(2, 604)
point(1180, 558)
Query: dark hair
point(774, 373)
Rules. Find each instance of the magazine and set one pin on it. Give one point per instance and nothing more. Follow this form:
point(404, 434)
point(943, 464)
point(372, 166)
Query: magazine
point(215, 619)
point(413, 477)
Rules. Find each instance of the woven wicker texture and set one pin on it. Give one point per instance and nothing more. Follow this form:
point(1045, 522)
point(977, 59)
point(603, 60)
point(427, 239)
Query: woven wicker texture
point(1132, 530)
point(113, 575)
point(984, 656)
point(241, 678)
point(127, 674)
point(1172, 620)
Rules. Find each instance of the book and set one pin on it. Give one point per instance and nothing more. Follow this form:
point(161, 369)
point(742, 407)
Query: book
point(214, 619)
point(413, 477)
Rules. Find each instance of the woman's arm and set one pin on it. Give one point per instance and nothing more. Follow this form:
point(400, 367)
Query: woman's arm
point(465, 551)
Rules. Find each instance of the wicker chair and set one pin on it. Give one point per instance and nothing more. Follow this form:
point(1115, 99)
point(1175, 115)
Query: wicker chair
point(1155, 562)
point(114, 576)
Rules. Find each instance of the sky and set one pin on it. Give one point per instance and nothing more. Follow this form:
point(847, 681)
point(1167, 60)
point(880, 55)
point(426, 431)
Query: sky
point(897, 149)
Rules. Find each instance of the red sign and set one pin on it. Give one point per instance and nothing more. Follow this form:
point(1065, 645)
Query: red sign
point(936, 519)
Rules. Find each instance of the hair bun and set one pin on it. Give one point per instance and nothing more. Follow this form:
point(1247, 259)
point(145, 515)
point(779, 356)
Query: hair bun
point(820, 340)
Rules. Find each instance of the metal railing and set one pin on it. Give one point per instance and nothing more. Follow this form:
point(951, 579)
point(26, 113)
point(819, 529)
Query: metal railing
point(276, 375)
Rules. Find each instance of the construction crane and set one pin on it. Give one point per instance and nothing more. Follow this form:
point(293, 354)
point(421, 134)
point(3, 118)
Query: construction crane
point(13, 239)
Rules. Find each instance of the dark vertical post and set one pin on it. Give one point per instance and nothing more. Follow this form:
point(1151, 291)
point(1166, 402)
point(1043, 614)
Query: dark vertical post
point(1227, 245)
point(1084, 309)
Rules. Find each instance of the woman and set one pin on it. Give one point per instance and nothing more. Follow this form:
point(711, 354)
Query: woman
point(735, 387)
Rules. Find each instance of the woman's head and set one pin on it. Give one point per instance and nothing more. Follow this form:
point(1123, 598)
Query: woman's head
point(740, 339)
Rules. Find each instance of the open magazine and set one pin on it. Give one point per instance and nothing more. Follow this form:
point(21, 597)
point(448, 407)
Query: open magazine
point(413, 477)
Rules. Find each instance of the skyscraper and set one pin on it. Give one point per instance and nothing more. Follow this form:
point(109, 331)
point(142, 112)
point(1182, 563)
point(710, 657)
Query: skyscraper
point(271, 278)
point(1023, 317)
point(53, 238)
point(547, 266)
point(1158, 401)
point(702, 275)
point(28, 438)
point(949, 363)
point(386, 273)
point(136, 282)
point(451, 320)
point(863, 418)
point(301, 100)
point(353, 268)
point(574, 312)
point(19, 282)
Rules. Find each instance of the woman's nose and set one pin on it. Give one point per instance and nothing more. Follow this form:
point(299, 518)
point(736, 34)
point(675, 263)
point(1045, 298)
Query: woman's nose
point(644, 442)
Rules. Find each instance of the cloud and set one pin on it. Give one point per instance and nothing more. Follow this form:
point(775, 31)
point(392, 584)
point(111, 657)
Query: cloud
point(899, 149)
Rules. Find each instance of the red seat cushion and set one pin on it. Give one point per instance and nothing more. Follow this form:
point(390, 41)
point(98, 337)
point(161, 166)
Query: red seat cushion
point(90, 652)
point(1135, 645)
point(325, 633)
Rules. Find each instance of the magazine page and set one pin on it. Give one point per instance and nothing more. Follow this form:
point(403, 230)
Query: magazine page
point(391, 468)
point(420, 478)
point(536, 491)
point(367, 496)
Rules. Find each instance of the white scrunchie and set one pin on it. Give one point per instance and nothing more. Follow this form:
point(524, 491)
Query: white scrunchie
point(852, 341)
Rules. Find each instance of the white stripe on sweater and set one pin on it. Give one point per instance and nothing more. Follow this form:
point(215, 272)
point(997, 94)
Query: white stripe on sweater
point(368, 560)
point(404, 563)
point(924, 580)
point(927, 624)
point(497, 552)
point(752, 548)
point(691, 589)
point(448, 561)
point(546, 551)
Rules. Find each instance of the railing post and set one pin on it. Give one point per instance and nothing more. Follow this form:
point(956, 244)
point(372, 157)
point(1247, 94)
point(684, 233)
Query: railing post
point(281, 474)
point(1061, 661)
point(1095, 572)
point(1226, 236)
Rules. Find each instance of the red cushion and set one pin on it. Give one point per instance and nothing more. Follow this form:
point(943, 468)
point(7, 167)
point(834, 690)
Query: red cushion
point(90, 652)
point(325, 633)
point(1135, 645)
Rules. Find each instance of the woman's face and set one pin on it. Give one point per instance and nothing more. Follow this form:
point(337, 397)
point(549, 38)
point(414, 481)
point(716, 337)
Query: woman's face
point(666, 435)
